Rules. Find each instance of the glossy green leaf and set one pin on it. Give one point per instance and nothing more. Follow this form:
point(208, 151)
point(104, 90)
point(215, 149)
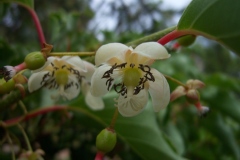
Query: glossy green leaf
point(215, 19)
point(27, 3)
point(141, 132)
point(224, 133)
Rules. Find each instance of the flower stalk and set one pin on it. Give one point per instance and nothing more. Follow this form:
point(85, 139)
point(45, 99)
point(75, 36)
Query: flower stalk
point(25, 137)
point(114, 119)
point(175, 81)
point(152, 37)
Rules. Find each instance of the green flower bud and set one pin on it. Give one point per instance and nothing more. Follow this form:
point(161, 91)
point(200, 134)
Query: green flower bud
point(6, 87)
point(106, 140)
point(20, 79)
point(186, 40)
point(34, 60)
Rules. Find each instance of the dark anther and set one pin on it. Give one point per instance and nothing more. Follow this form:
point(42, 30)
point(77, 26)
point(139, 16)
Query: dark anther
point(44, 77)
point(56, 68)
point(123, 65)
point(5, 73)
point(52, 64)
point(144, 67)
point(132, 65)
point(109, 83)
point(77, 85)
point(63, 66)
point(137, 90)
point(122, 90)
point(106, 74)
point(149, 76)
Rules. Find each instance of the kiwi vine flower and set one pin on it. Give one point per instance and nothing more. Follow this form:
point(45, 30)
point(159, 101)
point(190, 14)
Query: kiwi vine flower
point(190, 91)
point(66, 75)
point(128, 72)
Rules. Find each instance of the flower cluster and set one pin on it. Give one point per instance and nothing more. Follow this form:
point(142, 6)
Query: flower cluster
point(190, 91)
point(120, 67)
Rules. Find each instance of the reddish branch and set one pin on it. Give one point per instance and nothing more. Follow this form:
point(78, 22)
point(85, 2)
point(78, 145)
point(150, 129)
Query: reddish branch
point(171, 36)
point(33, 114)
point(37, 25)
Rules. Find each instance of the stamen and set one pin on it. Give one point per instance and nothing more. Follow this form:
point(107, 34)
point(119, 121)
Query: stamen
point(7, 72)
point(123, 89)
point(44, 78)
point(123, 65)
point(109, 83)
point(132, 65)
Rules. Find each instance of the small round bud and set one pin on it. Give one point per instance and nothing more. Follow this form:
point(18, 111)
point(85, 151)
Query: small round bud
point(186, 40)
point(6, 87)
point(34, 60)
point(106, 140)
point(20, 79)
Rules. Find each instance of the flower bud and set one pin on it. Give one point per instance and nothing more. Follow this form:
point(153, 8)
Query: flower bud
point(178, 92)
point(195, 84)
point(186, 40)
point(6, 87)
point(34, 60)
point(20, 79)
point(193, 96)
point(106, 140)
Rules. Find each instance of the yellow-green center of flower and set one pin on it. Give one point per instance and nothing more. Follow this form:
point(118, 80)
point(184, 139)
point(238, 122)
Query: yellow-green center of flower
point(61, 77)
point(131, 77)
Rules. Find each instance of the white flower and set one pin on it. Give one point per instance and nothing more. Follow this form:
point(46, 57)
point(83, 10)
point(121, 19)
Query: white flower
point(66, 75)
point(127, 71)
point(8, 72)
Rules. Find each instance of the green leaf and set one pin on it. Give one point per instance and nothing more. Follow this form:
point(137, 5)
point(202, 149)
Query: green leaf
point(27, 3)
point(215, 19)
point(141, 132)
point(224, 133)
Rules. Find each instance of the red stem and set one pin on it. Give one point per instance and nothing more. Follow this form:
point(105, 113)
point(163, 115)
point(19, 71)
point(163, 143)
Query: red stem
point(38, 26)
point(99, 156)
point(20, 67)
point(30, 115)
point(198, 106)
point(171, 36)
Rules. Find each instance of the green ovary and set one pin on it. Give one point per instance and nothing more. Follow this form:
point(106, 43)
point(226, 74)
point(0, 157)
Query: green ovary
point(131, 77)
point(61, 77)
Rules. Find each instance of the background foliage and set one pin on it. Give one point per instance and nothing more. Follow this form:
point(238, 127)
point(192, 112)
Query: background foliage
point(173, 133)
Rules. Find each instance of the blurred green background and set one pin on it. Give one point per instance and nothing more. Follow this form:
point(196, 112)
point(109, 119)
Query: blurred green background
point(76, 25)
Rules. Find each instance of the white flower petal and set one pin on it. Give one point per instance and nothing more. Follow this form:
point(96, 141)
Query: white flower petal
point(107, 51)
point(95, 103)
point(75, 61)
point(132, 105)
point(73, 90)
point(34, 82)
point(159, 91)
point(98, 84)
point(152, 50)
point(90, 68)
